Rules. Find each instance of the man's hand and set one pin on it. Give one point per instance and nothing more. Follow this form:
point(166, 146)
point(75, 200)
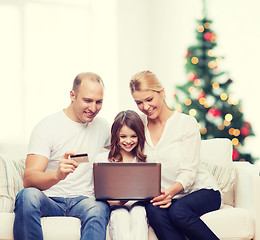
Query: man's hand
point(36, 165)
point(164, 200)
point(66, 166)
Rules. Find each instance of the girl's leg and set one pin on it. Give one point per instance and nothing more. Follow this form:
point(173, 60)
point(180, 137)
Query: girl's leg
point(119, 225)
point(139, 226)
point(185, 213)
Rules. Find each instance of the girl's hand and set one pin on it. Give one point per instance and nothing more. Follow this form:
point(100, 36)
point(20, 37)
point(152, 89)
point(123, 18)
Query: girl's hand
point(119, 203)
point(163, 201)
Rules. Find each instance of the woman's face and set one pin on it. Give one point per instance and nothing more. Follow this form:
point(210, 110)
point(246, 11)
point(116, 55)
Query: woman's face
point(149, 102)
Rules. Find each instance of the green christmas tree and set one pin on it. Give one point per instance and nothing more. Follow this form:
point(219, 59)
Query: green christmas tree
point(207, 97)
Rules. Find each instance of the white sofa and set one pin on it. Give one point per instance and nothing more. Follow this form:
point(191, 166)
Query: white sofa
point(238, 219)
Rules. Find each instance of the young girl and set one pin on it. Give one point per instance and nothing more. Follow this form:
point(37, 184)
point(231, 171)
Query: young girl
point(173, 139)
point(128, 218)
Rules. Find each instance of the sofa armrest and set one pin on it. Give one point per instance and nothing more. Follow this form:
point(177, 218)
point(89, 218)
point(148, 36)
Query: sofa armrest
point(247, 194)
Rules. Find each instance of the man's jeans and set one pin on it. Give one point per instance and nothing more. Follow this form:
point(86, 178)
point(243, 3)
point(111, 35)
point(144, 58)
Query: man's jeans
point(31, 204)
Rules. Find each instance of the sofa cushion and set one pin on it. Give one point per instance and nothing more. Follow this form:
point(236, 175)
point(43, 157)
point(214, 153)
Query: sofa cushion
point(58, 228)
point(6, 225)
point(227, 223)
point(230, 223)
point(11, 183)
point(216, 156)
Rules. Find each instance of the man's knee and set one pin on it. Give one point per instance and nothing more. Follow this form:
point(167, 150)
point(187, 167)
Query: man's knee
point(101, 209)
point(93, 208)
point(28, 196)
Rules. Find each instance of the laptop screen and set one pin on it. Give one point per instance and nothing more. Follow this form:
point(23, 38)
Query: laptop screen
point(127, 181)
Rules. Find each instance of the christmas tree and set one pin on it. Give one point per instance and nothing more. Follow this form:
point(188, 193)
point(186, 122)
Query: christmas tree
point(207, 97)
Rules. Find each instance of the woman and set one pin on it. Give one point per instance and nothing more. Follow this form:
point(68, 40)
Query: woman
point(128, 218)
point(173, 139)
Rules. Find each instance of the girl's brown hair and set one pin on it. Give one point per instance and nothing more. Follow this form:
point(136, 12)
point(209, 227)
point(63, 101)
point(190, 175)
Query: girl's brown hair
point(132, 120)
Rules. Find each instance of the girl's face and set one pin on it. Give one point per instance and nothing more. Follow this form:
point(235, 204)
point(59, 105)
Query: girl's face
point(128, 139)
point(149, 102)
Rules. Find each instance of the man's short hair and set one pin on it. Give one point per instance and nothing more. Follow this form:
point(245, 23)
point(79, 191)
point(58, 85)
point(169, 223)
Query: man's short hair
point(86, 76)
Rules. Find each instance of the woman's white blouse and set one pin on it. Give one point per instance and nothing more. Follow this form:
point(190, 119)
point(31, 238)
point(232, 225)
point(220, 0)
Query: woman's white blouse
point(178, 152)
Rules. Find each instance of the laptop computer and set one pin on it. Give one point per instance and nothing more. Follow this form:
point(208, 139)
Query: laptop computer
point(127, 181)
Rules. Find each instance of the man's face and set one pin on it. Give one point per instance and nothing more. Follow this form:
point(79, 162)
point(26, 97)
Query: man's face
point(87, 101)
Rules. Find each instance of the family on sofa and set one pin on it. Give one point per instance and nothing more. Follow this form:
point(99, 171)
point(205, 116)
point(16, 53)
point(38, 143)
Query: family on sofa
point(57, 185)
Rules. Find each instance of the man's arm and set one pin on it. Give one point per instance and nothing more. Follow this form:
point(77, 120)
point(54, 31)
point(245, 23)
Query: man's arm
point(35, 175)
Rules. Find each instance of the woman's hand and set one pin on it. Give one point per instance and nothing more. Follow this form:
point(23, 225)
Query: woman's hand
point(163, 201)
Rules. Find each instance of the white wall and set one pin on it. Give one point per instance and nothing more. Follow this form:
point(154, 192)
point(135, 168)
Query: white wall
point(238, 26)
point(156, 34)
point(45, 43)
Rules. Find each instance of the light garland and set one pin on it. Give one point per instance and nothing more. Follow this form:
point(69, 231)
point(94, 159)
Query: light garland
point(200, 29)
point(212, 64)
point(228, 117)
point(191, 89)
point(187, 102)
point(194, 60)
point(203, 130)
point(221, 127)
point(215, 85)
point(227, 123)
point(223, 96)
point(192, 112)
point(210, 53)
point(207, 25)
point(235, 141)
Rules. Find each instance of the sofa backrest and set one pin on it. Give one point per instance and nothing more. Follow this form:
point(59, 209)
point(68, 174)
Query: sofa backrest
point(12, 159)
point(216, 157)
point(216, 150)
point(15, 151)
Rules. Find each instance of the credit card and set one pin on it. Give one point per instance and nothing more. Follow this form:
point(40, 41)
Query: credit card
point(80, 158)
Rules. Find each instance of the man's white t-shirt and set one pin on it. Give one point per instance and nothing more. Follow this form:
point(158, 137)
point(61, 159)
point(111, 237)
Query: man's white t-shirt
point(57, 134)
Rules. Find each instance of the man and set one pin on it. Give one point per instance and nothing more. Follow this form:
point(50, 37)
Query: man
point(55, 184)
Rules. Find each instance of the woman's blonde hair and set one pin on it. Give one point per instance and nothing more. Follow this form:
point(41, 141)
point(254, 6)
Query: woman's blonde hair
point(145, 80)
